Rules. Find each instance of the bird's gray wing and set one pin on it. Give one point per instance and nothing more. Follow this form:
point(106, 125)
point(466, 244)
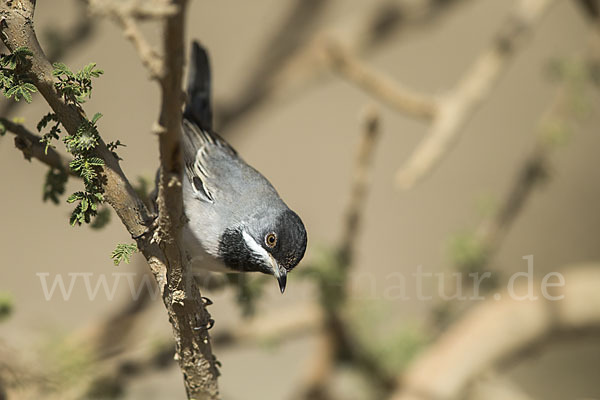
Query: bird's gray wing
point(204, 153)
point(199, 143)
point(212, 166)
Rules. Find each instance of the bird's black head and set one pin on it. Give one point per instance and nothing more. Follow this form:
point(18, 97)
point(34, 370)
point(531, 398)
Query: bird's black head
point(272, 245)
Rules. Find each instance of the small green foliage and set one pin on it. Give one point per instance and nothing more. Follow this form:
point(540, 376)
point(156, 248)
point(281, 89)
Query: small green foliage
point(87, 207)
point(54, 185)
point(6, 305)
point(86, 137)
point(18, 57)
point(467, 252)
point(54, 130)
point(75, 87)
point(576, 76)
point(13, 78)
point(398, 349)
point(384, 335)
point(85, 168)
point(20, 91)
point(123, 252)
point(81, 145)
point(102, 218)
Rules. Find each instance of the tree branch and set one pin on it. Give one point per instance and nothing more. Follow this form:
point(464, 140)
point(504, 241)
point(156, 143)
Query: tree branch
point(29, 143)
point(499, 331)
point(336, 340)
point(459, 105)
point(183, 301)
point(61, 42)
point(125, 15)
point(16, 26)
point(307, 63)
point(379, 85)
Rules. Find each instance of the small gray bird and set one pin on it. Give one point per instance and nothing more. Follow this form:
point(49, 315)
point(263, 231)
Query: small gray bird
point(236, 220)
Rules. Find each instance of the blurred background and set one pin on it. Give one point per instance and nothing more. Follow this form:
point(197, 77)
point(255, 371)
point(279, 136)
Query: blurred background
point(301, 89)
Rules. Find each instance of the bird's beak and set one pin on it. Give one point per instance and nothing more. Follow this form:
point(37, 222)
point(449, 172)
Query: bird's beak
point(280, 274)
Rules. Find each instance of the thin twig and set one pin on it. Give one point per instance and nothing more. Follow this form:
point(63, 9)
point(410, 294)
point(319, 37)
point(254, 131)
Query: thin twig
point(17, 31)
point(379, 85)
point(309, 61)
point(29, 143)
point(459, 104)
point(360, 184)
point(125, 17)
point(148, 55)
point(336, 340)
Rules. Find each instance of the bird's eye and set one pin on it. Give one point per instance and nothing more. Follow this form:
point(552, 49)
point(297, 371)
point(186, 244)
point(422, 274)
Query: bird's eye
point(271, 239)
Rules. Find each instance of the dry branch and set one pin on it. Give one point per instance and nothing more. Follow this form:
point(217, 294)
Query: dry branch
point(185, 305)
point(17, 29)
point(29, 143)
point(297, 70)
point(379, 85)
point(183, 301)
point(62, 42)
point(500, 331)
point(336, 339)
point(125, 16)
point(456, 107)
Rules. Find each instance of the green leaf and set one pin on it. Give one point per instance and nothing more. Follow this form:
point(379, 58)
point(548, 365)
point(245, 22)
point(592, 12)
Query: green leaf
point(96, 117)
point(123, 252)
point(23, 51)
point(11, 92)
point(22, 90)
point(6, 80)
point(76, 87)
point(84, 205)
point(95, 161)
point(75, 197)
point(19, 56)
point(6, 305)
point(76, 216)
point(77, 164)
point(61, 69)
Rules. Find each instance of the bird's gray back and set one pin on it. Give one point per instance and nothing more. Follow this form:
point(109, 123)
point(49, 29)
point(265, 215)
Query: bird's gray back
point(226, 180)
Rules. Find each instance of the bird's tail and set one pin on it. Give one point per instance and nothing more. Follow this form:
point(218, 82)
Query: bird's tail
point(198, 108)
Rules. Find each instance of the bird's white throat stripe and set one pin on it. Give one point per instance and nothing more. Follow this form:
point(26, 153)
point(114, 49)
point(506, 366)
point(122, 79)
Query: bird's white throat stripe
point(256, 248)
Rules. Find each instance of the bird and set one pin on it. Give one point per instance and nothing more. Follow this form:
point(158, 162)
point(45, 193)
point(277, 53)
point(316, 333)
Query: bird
point(236, 220)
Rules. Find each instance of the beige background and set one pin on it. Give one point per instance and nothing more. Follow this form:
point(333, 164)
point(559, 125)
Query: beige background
point(305, 146)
